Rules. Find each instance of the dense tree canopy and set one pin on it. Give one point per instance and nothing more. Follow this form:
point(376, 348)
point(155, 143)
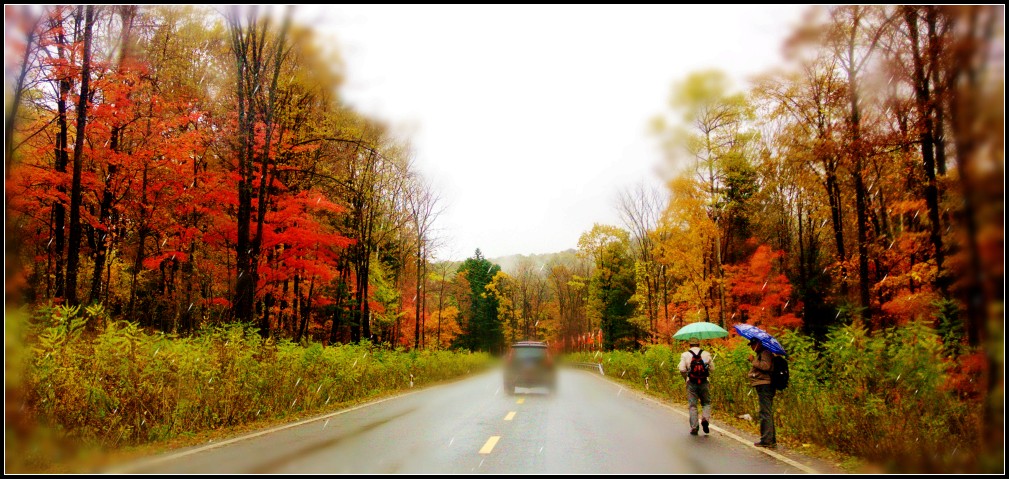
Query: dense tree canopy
point(184, 168)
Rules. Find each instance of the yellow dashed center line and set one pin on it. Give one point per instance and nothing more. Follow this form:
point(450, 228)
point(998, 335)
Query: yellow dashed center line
point(510, 416)
point(520, 400)
point(489, 445)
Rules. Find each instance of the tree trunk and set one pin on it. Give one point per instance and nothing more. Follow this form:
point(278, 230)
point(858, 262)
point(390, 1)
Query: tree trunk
point(264, 320)
point(264, 176)
point(102, 242)
point(341, 292)
point(836, 219)
point(103, 238)
point(423, 303)
point(856, 148)
point(365, 305)
point(938, 139)
point(441, 296)
point(665, 300)
point(306, 311)
point(355, 312)
point(141, 240)
point(19, 87)
point(244, 284)
point(925, 129)
point(417, 320)
point(76, 196)
point(62, 159)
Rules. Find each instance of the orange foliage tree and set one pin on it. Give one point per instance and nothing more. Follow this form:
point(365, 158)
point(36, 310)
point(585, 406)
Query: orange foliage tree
point(760, 293)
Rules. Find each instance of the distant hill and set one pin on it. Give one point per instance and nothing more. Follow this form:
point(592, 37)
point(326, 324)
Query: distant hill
point(510, 264)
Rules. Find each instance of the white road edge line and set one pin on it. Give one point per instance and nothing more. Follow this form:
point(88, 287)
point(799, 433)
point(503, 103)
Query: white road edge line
point(125, 469)
point(790, 462)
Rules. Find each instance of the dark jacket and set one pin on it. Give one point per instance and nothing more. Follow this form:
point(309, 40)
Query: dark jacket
point(761, 367)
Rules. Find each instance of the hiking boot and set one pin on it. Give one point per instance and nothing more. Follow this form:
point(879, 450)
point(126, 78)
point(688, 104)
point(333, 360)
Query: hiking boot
point(704, 425)
point(768, 446)
point(693, 431)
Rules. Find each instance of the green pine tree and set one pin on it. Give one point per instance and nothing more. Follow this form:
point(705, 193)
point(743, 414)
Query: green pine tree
point(482, 331)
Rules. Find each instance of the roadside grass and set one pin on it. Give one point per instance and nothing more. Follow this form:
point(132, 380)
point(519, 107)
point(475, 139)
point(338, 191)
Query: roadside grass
point(91, 459)
point(888, 401)
point(77, 385)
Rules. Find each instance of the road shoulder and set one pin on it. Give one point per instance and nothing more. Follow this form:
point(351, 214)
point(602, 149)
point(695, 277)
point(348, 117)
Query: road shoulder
point(802, 462)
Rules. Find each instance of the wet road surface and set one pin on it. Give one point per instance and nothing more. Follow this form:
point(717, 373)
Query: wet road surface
point(589, 425)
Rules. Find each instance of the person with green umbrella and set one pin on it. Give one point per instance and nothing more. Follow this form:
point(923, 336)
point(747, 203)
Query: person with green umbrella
point(695, 366)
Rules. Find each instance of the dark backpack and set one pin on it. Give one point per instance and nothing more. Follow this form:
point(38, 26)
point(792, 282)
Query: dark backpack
point(779, 375)
point(698, 371)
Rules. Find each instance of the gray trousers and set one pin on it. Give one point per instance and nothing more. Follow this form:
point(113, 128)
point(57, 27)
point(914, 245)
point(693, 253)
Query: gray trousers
point(765, 392)
point(695, 392)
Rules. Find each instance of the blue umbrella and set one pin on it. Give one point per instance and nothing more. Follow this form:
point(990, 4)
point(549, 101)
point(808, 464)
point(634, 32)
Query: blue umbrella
point(749, 331)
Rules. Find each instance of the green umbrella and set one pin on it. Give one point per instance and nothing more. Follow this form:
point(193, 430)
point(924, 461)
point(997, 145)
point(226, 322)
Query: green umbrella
point(700, 330)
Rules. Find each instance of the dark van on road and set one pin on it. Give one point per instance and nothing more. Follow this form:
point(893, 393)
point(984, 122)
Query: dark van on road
point(529, 364)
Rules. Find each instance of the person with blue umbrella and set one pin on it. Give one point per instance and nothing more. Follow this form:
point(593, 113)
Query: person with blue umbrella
point(761, 367)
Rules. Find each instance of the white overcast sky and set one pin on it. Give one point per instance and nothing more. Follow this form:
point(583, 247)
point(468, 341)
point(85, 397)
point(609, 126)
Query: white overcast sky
point(530, 119)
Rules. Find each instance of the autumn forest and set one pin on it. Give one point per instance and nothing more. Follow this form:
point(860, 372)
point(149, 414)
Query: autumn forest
point(185, 171)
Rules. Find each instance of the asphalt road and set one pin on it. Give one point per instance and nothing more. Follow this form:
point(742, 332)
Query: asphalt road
point(590, 425)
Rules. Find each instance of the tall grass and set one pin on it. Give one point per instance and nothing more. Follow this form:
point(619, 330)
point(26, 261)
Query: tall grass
point(111, 384)
point(886, 397)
